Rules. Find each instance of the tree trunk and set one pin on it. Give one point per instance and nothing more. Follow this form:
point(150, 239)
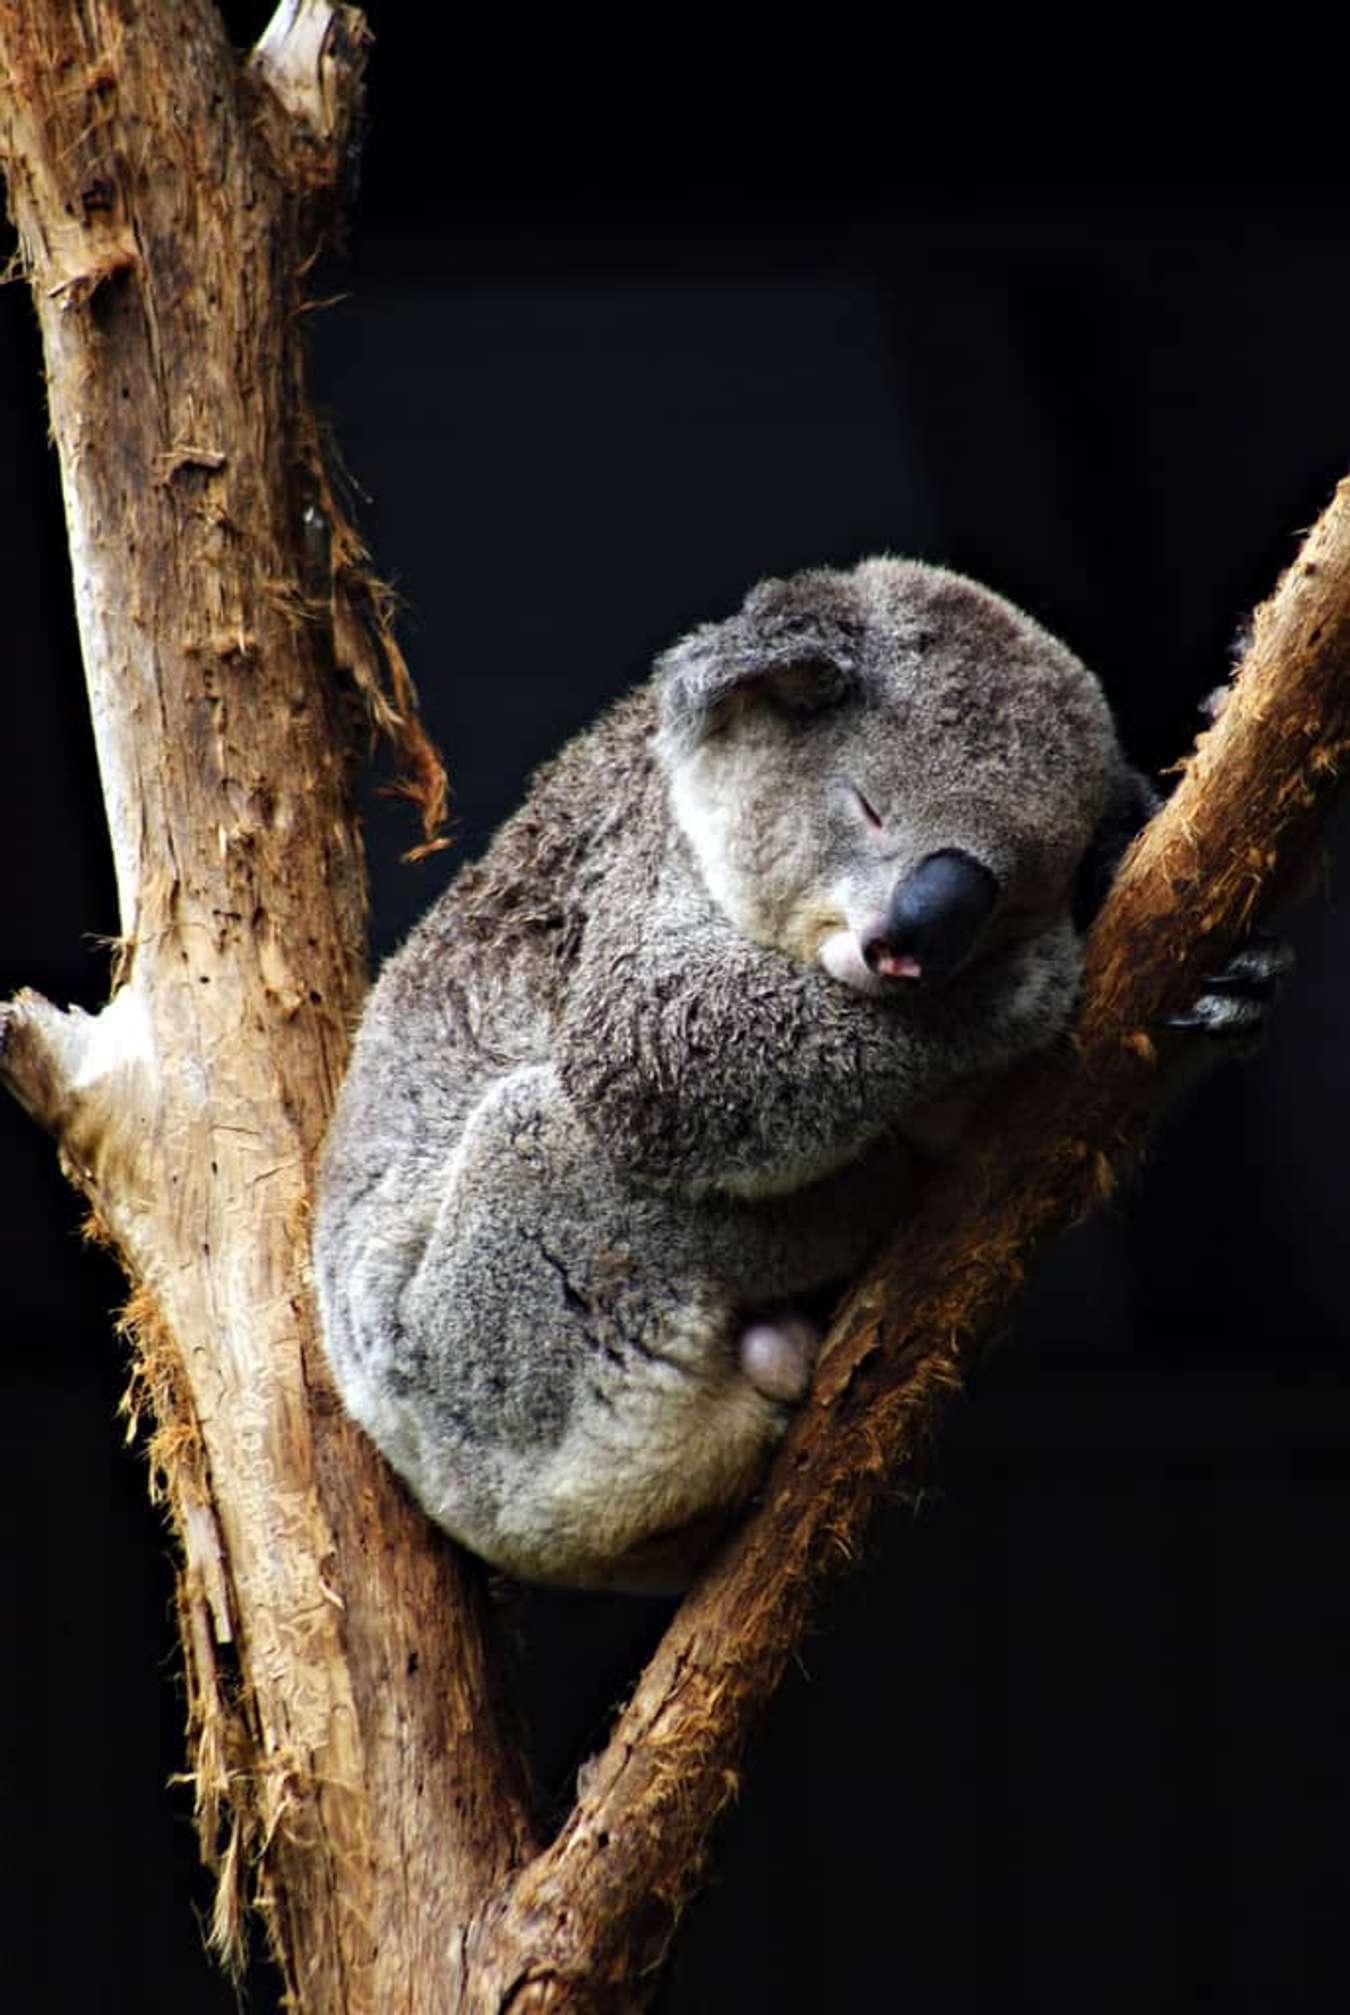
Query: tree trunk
point(340, 1706)
point(352, 1758)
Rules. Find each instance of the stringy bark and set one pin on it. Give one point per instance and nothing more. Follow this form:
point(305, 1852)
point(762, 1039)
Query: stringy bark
point(354, 1769)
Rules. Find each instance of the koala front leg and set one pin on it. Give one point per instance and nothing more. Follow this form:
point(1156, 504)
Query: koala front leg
point(702, 1059)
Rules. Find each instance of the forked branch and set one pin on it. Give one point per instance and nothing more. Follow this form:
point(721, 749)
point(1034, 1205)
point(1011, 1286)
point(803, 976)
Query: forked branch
point(348, 1739)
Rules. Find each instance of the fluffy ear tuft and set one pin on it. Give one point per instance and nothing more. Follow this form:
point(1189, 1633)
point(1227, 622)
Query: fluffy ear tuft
point(792, 648)
point(711, 675)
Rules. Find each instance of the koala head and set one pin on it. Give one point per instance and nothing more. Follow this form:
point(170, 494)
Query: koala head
point(889, 772)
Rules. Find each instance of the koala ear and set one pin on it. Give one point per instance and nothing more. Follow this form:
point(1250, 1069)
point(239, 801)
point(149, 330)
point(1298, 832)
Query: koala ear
point(1130, 805)
point(707, 678)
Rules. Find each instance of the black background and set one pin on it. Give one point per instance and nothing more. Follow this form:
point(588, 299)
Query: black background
point(1074, 1736)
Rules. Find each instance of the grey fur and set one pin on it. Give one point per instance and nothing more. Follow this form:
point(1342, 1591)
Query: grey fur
point(631, 1094)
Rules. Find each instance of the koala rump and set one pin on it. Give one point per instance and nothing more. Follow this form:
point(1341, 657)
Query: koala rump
point(650, 1081)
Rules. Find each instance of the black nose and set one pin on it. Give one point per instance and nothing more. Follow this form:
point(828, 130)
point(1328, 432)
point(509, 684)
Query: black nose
point(934, 918)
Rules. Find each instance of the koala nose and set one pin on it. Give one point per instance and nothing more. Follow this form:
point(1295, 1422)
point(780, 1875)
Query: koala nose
point(934, 918)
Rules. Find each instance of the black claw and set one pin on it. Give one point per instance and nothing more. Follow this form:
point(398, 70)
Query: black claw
point(1230, 1007)
point(1241, 984)
point(1223, 1015)
point(1256, 969)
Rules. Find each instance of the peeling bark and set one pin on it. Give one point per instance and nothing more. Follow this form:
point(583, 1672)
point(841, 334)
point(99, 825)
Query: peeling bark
point(342, 1712)
point(350, 1751)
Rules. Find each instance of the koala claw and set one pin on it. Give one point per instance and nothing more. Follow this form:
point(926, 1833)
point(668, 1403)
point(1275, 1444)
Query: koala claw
point(1256, 968)
point(1232, 1003)
point(777, 1357)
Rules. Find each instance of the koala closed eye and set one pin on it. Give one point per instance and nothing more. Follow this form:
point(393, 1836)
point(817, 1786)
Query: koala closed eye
point(871, 816)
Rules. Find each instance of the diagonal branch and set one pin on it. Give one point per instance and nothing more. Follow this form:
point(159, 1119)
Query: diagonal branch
point(586, 1922)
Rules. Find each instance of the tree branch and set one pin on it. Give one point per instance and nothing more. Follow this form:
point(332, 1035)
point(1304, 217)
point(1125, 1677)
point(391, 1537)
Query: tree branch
point(346, 1730)
point(587, 1922)
point(342, 1709)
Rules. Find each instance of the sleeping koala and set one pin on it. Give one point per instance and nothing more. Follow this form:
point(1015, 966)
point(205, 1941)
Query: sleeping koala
point(651, 1081)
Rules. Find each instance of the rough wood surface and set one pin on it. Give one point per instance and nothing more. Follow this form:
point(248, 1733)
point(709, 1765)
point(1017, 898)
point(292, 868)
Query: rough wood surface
point(343, 1722)
point(348, 1743)
point(585, 1924)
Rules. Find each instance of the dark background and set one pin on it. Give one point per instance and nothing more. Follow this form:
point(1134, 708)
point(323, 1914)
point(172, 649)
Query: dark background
point(1075, 1735)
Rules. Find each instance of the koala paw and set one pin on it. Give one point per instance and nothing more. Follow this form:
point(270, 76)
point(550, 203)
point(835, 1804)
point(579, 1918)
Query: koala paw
point(1232, 1004)
point(778, 1357)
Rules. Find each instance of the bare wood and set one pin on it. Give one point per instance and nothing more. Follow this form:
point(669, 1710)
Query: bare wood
point(342, 1703)
point(586, 1924)
point(343, 1699)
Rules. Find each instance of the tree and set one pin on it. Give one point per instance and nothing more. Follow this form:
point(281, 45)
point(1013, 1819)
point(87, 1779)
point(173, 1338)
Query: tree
point(329, 1676)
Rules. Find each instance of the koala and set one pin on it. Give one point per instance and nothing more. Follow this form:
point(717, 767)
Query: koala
point(650, 1082)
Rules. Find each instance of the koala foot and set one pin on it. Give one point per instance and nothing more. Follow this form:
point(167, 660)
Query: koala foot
point(1231, 1004)
point(778, 1357)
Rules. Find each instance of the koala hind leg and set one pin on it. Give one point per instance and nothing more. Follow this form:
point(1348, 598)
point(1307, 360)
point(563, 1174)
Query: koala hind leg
point(577, 1393)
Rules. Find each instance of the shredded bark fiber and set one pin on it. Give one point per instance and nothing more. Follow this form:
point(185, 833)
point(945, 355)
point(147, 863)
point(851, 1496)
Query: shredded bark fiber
point(355, 1765)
